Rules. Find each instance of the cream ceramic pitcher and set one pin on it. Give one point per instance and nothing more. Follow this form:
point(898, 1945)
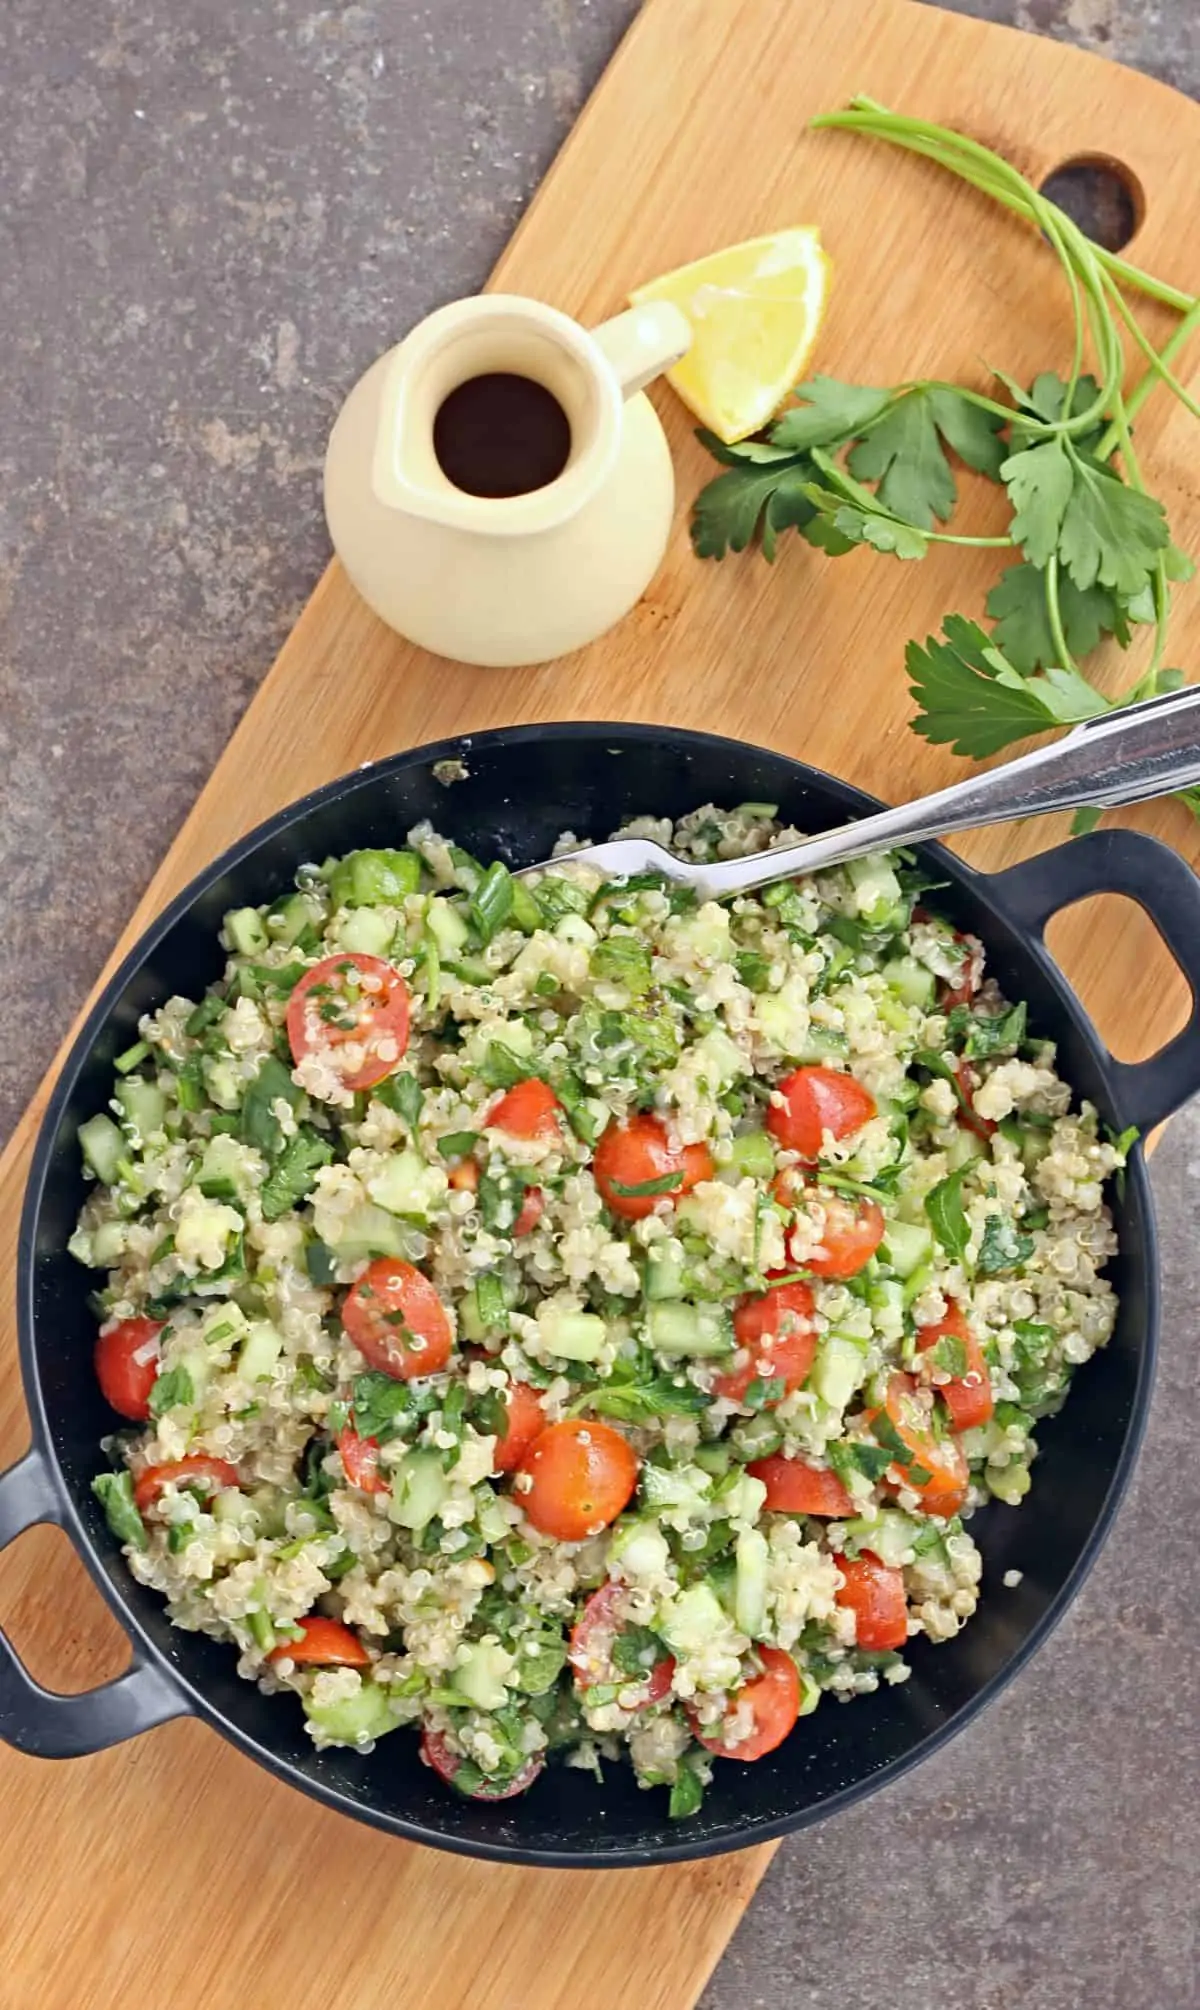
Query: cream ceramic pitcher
point(520, 578)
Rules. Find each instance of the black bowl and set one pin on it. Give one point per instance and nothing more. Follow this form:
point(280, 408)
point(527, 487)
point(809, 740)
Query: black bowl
point(524, 787)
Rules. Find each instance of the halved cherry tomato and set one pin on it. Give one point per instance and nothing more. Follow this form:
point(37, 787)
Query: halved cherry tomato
point(795, 1487)
point(530, 1109)
point(816, 1100)
point(326, 1644)
point(127, 1363)
point(777, 1339)
point(583, 1473)
point(464, 1177)
point(207, 1475)
point(532, 1209)
point(350, 1001)
point(969, 1396)
point(591, 1651)
point(526, 1420)
point(875, 1595)
point(636, 1154)
point(395, 1317)
point(774, 1701)
point(937, 1469)
point(968, 1082)
point(435, 1750)
point(851, 1230)
point(360, 1458)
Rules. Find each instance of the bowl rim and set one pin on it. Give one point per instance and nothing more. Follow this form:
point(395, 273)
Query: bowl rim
point(752, 1832)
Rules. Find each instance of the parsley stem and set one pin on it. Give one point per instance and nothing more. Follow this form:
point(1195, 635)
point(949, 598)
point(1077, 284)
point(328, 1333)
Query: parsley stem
point(1054, 614)
point(1158, 360)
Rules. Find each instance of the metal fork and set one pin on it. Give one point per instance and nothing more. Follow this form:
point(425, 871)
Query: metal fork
point(1129, 756)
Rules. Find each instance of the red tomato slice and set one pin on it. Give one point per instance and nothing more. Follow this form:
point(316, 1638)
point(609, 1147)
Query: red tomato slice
point(968, 1397)
point(582, 1474)
point(197, 1470)
point(350, 1002)
point(774, 1700)
point(851, 1232)
point(876, 1597)
point(636, 1154)
point(464, 1177)
point(526, 1420)
point(777, 1339)
point(360, 1460)
point(942, 1460)
point(127, 1363)
point(436, 1752)
point(795, 1487)
point(816, 1100)
point(591, 1651)
point(396, 1319)
point(532, 1209)
point(530, 1109)
point(326, 1644)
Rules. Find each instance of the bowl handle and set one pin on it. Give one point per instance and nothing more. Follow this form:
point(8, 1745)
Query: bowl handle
point(36, 1720)
point(1161, 882)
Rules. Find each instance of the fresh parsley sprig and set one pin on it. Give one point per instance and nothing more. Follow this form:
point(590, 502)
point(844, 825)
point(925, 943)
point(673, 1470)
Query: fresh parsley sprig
point(854, 465)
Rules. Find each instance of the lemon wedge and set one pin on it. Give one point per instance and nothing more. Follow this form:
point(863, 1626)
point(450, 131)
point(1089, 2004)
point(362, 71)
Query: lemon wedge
point(756, 310)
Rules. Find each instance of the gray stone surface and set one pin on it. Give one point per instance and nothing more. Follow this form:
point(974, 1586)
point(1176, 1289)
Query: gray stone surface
point(214, 215)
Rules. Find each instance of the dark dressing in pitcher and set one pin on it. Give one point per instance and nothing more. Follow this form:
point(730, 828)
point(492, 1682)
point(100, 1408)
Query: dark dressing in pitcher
point(500, 434)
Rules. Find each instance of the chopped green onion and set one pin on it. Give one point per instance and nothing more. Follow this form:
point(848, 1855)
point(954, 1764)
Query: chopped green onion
point(491, 902)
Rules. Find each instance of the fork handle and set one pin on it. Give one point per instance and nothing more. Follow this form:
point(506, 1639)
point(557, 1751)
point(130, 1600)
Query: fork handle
point(1122, 757)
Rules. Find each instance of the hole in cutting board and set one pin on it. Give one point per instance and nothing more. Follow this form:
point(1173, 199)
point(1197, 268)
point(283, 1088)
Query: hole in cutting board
point(1135, 975)
point(57, 1621)
point(1100, 194)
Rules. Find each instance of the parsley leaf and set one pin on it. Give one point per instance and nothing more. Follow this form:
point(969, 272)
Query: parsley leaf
point(259, 1124)
point(687, 1794)
point(635, 1651)
point(726, 512)
point(114, 1491)
point(642, 1402)
point(971, 697)
point(1017, 604)
point(175, 1386)
point(1109, 532)
point(831, 412)
point(1039, 481)
point(857, 1455)
point(947, 1216)
point(904, 453)
point(986, 1033)
point(1003, 1246)
point(293, 1174)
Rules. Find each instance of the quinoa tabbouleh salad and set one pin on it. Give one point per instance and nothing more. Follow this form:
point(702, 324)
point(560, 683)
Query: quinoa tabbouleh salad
point(568, 1319)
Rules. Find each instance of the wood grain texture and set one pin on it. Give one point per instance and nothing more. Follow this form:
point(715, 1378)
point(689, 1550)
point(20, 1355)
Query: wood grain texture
point(174, 1856)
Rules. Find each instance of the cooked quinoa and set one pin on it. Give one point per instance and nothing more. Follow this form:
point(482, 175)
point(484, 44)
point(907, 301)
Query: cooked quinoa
point(565, 1318)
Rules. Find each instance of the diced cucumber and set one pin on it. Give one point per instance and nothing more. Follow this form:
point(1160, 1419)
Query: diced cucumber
point(448, 926)
point(419, 1486)
point(490, 1519)
point(756, 1437)
point(675, 1327)
point(220, 1079)
point(664, 1270)
point(839, 1369)
point(694, 1619)
point(889, 1535)
point(1035, 1144)
point(685, 1487)
point(482, 1672)
point(1010, 1483)
point(351, 1720)
point(225, 1168)
point(911, 981)
point(905, 1246)
point(714, 1458)
point(810, 1693)
point(247, 931)
point(573, 928)
point(406, 1185)
point(102, 1146)
point(108, 1244)
point(515, 1035)
point(373, 878)
point(287, 922)
point(722, 1060)
point(640, 1548)
point(750, 1589)
point(572, 1336)
point(526, 914)
point(877, 891)
point(823, 1043)
point(366, 932)
point(964, 1148)
point(368, 1230)
point(704, 934)
point(916, 1282)
point(740, 1496)
point(143, 1104)
point(261, 1350)
point(782, 1018)
point(752, 1156)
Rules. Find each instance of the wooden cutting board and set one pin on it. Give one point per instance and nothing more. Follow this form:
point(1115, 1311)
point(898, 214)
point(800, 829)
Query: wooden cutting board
point(173, 1857)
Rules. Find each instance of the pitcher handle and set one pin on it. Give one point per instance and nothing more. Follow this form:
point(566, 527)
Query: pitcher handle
point(643, 342)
